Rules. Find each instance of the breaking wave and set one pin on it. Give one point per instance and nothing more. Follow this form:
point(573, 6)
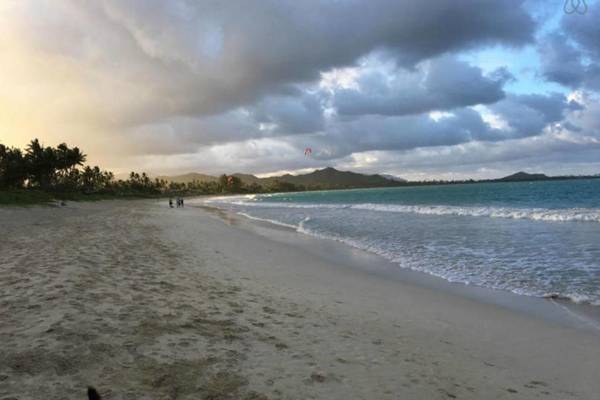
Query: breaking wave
point(535, 214)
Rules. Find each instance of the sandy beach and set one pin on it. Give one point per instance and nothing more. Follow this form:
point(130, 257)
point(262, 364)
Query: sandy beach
point(146, 302)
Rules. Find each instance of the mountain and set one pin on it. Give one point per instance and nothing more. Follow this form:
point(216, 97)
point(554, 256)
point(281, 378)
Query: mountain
point(192, 176)
point(326, 178)
point(523, 176)
point(332, 178)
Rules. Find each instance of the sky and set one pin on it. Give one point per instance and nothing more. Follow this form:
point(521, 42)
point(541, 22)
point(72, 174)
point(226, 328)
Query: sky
point(439, 89)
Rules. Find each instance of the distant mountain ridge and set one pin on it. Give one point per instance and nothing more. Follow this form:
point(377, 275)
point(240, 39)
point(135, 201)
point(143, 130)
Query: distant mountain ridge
point(523, 176)
point(326, 178)
point(331, 178)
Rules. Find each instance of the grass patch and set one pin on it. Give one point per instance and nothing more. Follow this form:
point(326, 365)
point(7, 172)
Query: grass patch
point(24, 197)
point(30, 197)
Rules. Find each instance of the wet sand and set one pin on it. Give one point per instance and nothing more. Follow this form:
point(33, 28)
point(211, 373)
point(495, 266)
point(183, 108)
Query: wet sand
point(143, 301)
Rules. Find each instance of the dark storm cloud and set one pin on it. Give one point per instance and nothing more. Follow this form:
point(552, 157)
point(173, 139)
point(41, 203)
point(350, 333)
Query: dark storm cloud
point(585, 31)
point(441, 84)
point(273, 116)
point(197, 58)
point(214, 84)
point(289, 114)
point(528, 115)
point(525, 115)
point(462, 144)
point(571, 54)
point(561, 61)
point(371, 132)
point(566, 63)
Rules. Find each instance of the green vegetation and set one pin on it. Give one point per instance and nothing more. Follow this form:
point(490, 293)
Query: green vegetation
point(24, 197)
point(321, 179)
point(330, 178)
point(42, 174)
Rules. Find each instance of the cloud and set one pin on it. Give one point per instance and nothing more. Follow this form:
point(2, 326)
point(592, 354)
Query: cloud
point(564, 62)
point(528, 115)
point(290, 114)
point(184, 58)
point(211, 85)
point(457, 145)
point(443, 83)
point(288, 120)
point(371, 132)
point(524, 116)
point(570, 54)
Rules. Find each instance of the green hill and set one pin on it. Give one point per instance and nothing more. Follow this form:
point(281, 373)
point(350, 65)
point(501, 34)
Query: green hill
point(332, 178)
point(326, 178)
point(523, 176)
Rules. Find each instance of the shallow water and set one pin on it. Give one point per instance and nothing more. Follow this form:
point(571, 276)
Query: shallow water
point(532, 238)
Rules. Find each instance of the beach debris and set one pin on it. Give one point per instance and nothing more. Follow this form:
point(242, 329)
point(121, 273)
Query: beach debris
point(93, 394)
point(318, 376)
point(540, 383)
point(281, 346)
point(269, 310)
point(555, 296)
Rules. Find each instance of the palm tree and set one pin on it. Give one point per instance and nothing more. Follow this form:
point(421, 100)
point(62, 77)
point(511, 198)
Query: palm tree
point(62, 156)
point(13, 171)
point(76, 157)
point(41, 163)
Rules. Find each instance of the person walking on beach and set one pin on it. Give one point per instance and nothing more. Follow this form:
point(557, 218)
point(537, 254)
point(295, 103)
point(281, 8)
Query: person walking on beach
point(182, 202)
point(170, 202)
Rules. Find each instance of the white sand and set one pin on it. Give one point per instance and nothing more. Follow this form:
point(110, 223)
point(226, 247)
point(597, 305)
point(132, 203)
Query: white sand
point(143, 301)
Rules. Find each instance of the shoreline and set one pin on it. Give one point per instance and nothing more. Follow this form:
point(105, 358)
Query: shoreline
point(143, 301)
point(532, 330)
point(563, 311)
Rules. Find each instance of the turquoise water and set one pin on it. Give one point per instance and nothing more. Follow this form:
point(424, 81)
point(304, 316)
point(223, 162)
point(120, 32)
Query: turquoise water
point(531, 238)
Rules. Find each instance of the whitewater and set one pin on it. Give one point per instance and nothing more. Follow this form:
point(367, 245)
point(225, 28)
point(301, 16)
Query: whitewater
point(532, 238)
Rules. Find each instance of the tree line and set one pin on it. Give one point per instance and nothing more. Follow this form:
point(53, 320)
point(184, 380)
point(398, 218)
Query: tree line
point(61, 169)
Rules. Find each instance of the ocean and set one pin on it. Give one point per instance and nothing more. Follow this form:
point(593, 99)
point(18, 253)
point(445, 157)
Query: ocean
point(531, 238)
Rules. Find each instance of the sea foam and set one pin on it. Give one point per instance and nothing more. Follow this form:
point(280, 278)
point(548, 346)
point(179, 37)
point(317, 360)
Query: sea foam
point(535, 214)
